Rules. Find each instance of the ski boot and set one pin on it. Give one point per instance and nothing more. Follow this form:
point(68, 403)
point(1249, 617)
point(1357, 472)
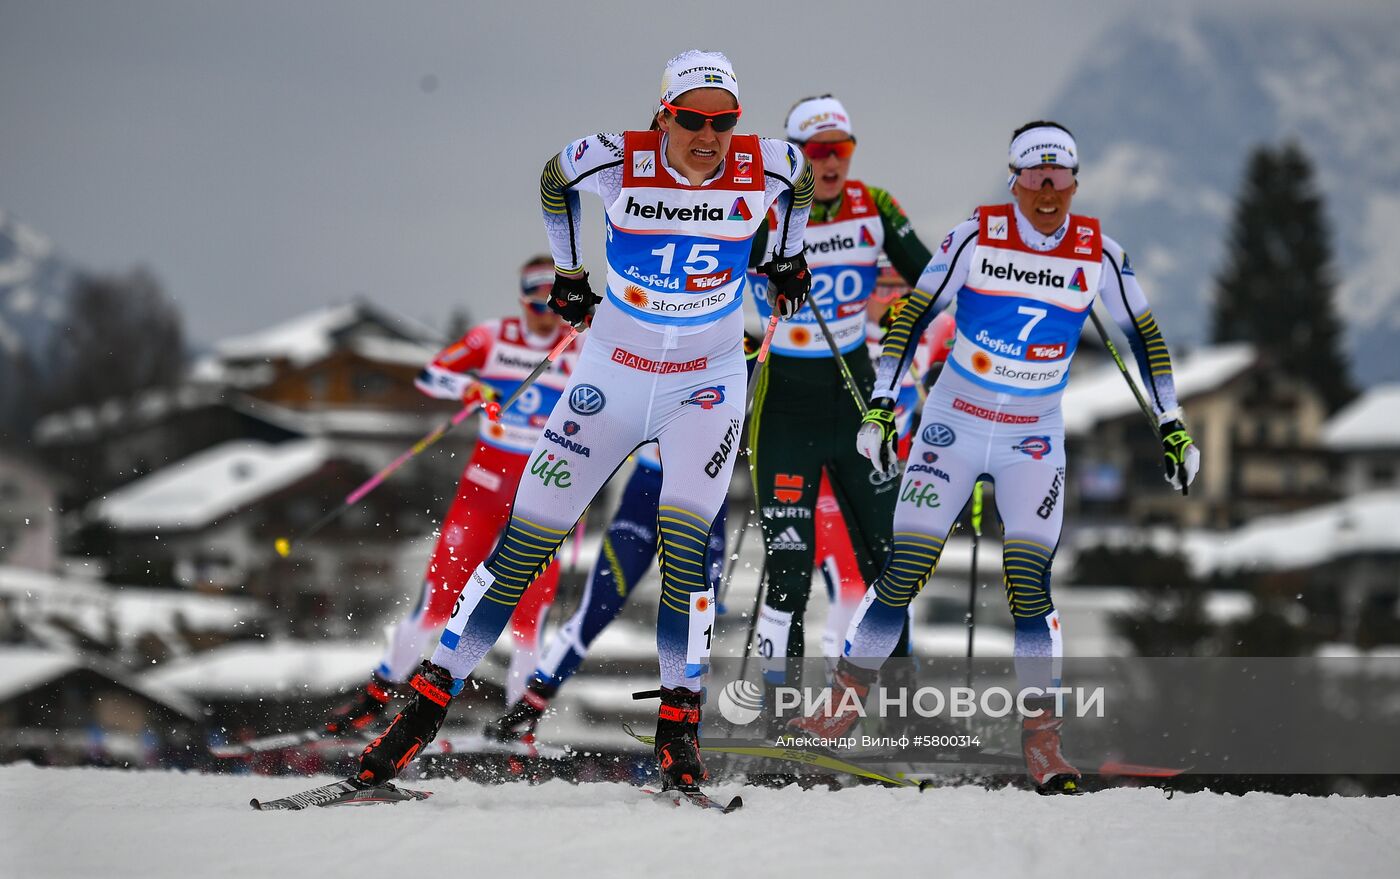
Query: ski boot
point(416, 725)
point(678, 740)
point(1048, 769)
point(842, 718)
point(361, 709)
point(518, 724)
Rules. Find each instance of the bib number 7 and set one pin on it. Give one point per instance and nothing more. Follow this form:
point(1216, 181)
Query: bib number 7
point(1036, 315)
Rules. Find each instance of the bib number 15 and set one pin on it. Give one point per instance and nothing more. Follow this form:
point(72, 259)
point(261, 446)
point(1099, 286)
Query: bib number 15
point(700, 261)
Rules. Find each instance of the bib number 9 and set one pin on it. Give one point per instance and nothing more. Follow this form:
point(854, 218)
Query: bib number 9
point(529, 402)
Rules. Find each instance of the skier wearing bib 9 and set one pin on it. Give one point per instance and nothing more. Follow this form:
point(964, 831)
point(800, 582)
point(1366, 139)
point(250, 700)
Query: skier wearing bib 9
point(1024, 276)
point(492, 359)
point(803, 412)
point(664, 362)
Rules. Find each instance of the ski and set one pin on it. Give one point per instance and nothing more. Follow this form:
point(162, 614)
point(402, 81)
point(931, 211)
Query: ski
point(696, 797)
point(818, 759)
point(341, 793)
point(464, 743)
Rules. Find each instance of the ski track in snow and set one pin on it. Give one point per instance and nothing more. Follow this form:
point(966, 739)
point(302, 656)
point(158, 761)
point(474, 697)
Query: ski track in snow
point(113, 823)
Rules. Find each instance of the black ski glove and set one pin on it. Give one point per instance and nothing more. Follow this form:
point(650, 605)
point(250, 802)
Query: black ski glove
point(788, 283)
point(572, 299)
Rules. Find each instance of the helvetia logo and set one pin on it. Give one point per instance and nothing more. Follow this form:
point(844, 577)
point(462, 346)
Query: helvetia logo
point(740, 210)
point(740, 702)
point(1077, 282)
point(662, 211)
point(866, 239)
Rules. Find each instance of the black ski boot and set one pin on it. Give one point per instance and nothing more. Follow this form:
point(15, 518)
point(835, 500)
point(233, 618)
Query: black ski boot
point(416, 725)
point(678, 740)
point(518, 724)
point(361, 709)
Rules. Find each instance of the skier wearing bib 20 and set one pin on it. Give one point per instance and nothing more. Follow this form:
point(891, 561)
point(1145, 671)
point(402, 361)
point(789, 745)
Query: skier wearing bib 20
point(803, 412)
point(1024, 276)
point(664, 362)
point(493, 358)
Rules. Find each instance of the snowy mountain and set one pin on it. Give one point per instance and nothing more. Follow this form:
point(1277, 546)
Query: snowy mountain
point(34, 282)
point(34, 290)
point(1166, 114)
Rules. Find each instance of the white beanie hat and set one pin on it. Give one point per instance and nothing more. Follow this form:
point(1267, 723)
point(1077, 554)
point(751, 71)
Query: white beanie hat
point(697, 69)
point(1043, 145)
point(812, 115)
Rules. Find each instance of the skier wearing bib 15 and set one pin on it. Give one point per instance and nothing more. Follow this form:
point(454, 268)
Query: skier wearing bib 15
point(664, 362)
point(803, 412)
point(1024, 276)
point(492, 359)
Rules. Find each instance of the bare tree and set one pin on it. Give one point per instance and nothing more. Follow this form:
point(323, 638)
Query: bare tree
point(122, 335)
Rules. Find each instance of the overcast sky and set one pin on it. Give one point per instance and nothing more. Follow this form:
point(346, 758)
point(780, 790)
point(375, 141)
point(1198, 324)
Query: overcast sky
point(268, 158)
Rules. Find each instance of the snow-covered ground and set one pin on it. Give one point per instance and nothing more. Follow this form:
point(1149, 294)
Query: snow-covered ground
point(94, 822)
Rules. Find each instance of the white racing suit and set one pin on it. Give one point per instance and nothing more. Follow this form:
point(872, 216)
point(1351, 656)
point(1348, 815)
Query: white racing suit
point(994, 412)
point(662, 361)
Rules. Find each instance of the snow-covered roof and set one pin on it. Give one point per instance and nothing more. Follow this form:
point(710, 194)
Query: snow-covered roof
point(23, 668)
point(208, 485)
point(1364, 523)
point(312, 336)
point(96, 608)
point(154, 404)
point(1371, 421)
point(401, 352)
point(1100, 394)
point(270, 668)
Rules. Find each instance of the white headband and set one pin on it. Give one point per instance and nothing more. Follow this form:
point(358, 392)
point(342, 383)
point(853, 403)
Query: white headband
point(815, 115)
point(536, 276)
point(697, 69)
point(1044, 145)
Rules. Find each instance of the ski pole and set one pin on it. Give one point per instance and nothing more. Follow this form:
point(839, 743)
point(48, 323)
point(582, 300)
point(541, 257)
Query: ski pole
point(762, 358)
point(284, 545)
point(972, 577)
point(753, 617)
point(1137, 393)
point(494, 409)
point(846, 377)
point(733, 562)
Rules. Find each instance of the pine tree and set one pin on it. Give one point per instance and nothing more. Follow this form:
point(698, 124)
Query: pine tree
point(1278, 287)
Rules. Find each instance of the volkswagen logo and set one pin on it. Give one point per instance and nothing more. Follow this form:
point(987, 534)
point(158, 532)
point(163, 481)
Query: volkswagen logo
point(587, 400)
point(936, 435)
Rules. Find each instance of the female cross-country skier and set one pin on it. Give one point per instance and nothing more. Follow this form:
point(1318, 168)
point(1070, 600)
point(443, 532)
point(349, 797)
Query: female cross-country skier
point(494, 356)
point(664, 362)
point(1024, 276)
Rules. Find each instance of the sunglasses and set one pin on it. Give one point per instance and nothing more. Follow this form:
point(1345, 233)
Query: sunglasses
point(841, 149)
point(694, 120)
point(1034, 178)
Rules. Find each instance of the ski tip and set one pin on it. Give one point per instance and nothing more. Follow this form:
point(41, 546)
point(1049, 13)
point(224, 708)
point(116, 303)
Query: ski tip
point(255, 804)
point(734, 805)
point(926, 784)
